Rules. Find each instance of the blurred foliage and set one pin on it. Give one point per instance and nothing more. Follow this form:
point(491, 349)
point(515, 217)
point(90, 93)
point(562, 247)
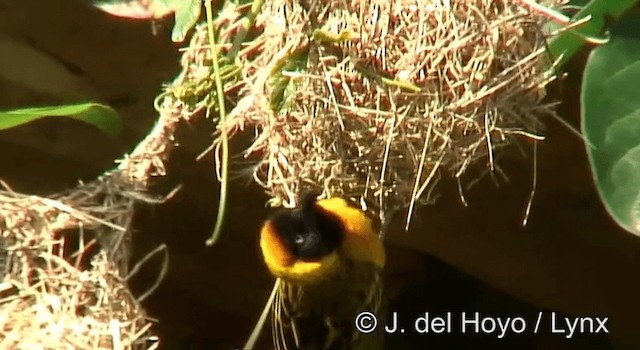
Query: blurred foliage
point(103, 117)
point(610, 102)
point(589, 24)
point(187, 14)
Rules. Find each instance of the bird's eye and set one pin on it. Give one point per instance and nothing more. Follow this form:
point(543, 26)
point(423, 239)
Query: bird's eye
point(298, 239)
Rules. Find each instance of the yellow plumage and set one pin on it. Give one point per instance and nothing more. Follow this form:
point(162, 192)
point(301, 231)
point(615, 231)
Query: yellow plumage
point(329, 260)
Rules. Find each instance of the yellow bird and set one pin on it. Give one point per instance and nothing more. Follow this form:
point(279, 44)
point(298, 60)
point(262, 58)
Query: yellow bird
point(329, 259)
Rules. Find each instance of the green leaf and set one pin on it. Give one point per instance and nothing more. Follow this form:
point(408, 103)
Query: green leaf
point(566, 44)
point(103, 117)
point(187, 14)
point(611, 122)
point(284, 87)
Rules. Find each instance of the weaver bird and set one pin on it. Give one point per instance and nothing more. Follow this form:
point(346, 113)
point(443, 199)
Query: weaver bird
point(328, 258)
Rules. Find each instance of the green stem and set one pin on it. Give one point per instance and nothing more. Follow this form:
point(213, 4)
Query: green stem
point(246, 24)
point(224, 137)
point(565, 45)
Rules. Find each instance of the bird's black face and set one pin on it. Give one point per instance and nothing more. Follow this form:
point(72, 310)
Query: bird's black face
point(308, 232)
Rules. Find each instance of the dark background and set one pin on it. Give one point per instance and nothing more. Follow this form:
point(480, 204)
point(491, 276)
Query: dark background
point(571, 258)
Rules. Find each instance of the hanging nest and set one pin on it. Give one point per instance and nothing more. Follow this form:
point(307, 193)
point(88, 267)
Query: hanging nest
point(64, 263)
point(377, 100)
point(373, 101)
point(66, 259)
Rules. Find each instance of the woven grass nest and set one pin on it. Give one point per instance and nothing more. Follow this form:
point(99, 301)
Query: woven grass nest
point(65, 263)
point(377, 100)
point(373, 101)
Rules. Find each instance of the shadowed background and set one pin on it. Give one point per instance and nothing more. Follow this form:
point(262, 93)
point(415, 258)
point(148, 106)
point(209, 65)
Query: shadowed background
point(570, 258)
